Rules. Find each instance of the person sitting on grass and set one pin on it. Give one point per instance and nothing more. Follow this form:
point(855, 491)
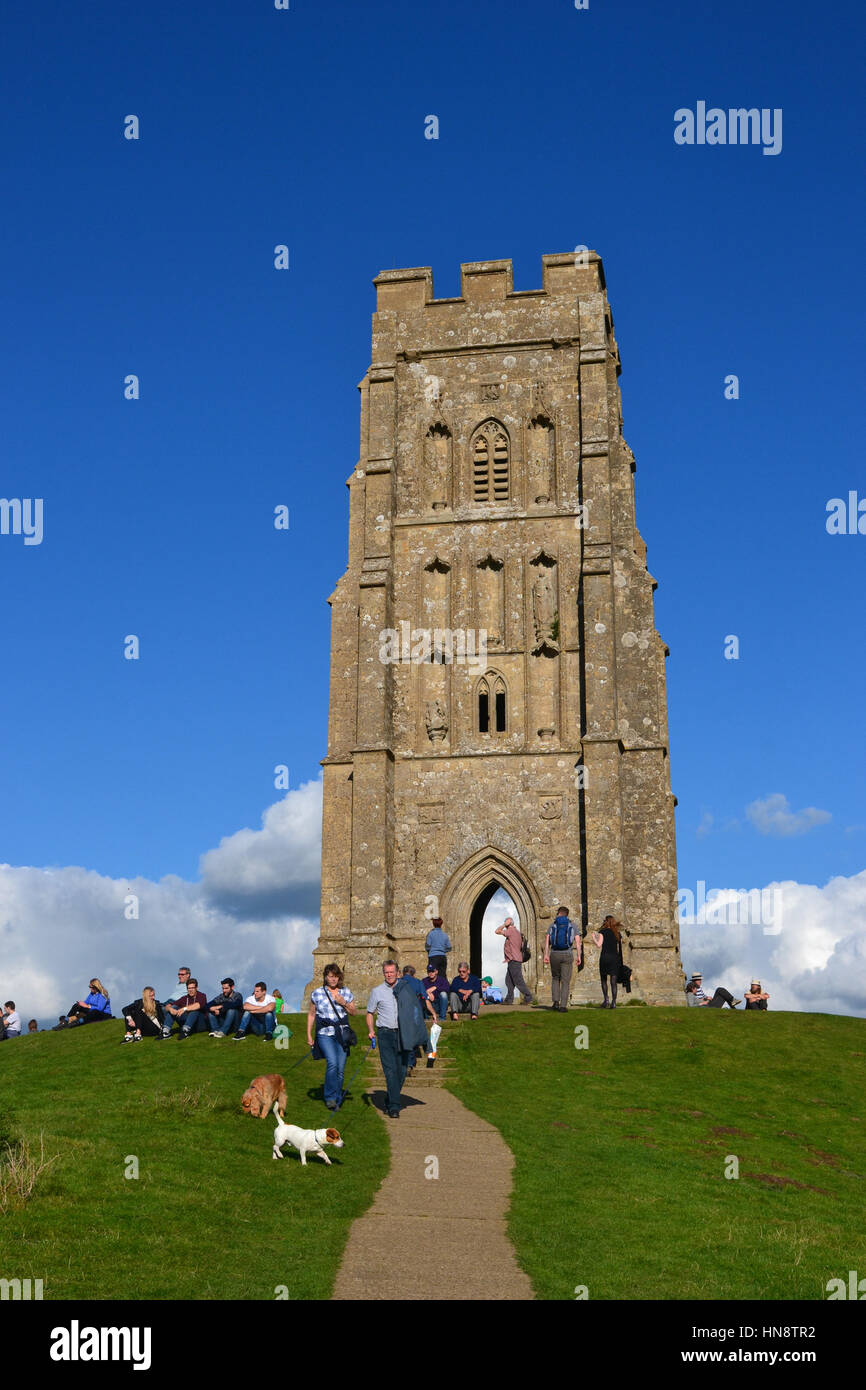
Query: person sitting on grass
point(177, 991)
point(33, 1026)
point(466, 992)
point(224, 1010)
point(144, 1017)
point(258, 1014)
point(719, 999)
point(11, 1020)
point(62, 1022)
point(756, 998)
point(190, 1012)
point(95, 1007)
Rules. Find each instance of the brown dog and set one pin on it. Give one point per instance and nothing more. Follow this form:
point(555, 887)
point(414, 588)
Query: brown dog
point(262, 1094)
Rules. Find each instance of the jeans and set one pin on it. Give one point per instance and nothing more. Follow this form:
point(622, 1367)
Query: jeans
point(394, 1064)
point(514, 978)
point(226, 1021)
point(440, 1004)
point(259, 1023)
point(196, 1022)
point(335, 1066)
point(459, 1005)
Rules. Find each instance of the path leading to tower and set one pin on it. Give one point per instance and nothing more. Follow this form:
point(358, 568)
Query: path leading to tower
point(404, 1247)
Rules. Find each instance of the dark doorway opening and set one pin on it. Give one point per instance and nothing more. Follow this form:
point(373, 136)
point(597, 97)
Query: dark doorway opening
point(475, 922)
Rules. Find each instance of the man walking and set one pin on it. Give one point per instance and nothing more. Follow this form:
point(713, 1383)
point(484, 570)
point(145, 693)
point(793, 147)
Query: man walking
point(382, 1018)
point(559, 955)
point(438, 945)
point(514, 963)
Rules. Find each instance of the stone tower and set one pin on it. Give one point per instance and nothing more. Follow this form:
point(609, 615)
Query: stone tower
point(498, 709)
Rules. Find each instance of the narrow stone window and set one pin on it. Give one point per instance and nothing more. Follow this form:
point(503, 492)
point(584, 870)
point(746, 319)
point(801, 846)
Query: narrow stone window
point(483, 708)
point(500, 707)
point(491, 480)
point(492, 704)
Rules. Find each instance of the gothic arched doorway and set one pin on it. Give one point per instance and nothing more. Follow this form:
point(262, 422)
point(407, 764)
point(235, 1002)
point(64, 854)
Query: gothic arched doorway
point(492, 906)
point(467, 896)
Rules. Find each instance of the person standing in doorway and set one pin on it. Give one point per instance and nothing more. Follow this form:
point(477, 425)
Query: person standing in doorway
point(609, 943)
point(514, 963)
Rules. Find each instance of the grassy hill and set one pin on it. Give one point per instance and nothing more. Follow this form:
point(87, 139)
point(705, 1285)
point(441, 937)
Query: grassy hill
point(620, 1151)
point(211, 1215)
point(621, 1148)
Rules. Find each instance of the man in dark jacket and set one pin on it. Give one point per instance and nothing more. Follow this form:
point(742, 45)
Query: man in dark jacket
point(225, 1009)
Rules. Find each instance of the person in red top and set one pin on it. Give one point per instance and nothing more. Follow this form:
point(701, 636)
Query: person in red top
point(190, 1013)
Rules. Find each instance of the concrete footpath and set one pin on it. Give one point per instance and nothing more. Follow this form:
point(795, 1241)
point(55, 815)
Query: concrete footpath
point(404, 1246)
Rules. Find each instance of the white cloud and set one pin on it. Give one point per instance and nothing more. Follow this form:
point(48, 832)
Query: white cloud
point(254, 915)
point(816, 962)
point(773, 816)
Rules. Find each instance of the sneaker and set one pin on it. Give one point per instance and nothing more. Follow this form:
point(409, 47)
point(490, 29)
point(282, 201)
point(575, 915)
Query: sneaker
point(393, 1114)
point(429, 1063)
point(238, 1037)
point(735, 1002)
point(166, 1033)
point(128, 1037)
point(217, 1034)
point(528, 999)
point(184, 1033)
point(138, 1038)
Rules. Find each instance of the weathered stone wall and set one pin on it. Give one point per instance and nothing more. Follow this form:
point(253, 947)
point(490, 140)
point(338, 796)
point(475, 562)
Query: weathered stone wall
point(571, 801)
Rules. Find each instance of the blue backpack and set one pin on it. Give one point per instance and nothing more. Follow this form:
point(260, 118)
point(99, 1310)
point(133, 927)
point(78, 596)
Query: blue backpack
point(560, 933)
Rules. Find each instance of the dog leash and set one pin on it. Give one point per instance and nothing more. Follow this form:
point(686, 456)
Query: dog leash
point(307, 1054)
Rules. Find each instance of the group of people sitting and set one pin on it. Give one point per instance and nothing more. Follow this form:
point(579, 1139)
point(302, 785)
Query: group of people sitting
point(185, 1006)
point(696, 996)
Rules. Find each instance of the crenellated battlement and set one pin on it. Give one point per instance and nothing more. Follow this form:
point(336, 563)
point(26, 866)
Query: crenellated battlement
point(573, 273)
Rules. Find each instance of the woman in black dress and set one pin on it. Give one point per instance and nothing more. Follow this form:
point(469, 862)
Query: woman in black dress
point(609, 943)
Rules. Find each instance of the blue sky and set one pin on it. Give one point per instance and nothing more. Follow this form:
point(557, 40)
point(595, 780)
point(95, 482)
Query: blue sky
point(306, 127)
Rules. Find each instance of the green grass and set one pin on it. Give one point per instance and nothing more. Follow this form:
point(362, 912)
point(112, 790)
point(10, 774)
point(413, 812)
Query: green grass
point(621, 1149)
point(211, 1215)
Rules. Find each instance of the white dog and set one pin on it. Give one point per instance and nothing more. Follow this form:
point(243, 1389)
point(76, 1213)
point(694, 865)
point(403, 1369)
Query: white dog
point(306, 1141)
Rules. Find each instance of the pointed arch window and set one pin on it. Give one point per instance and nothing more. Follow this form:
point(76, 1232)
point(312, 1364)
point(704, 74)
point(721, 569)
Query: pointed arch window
point(491, 698)
point(491, 463)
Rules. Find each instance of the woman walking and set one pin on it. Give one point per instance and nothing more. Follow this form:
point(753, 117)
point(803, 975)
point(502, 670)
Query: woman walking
point(609, 943)
point(330, 1006)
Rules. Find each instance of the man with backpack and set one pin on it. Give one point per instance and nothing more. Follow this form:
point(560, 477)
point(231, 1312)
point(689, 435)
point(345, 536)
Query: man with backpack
point(514, 944)
point(559, 955)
